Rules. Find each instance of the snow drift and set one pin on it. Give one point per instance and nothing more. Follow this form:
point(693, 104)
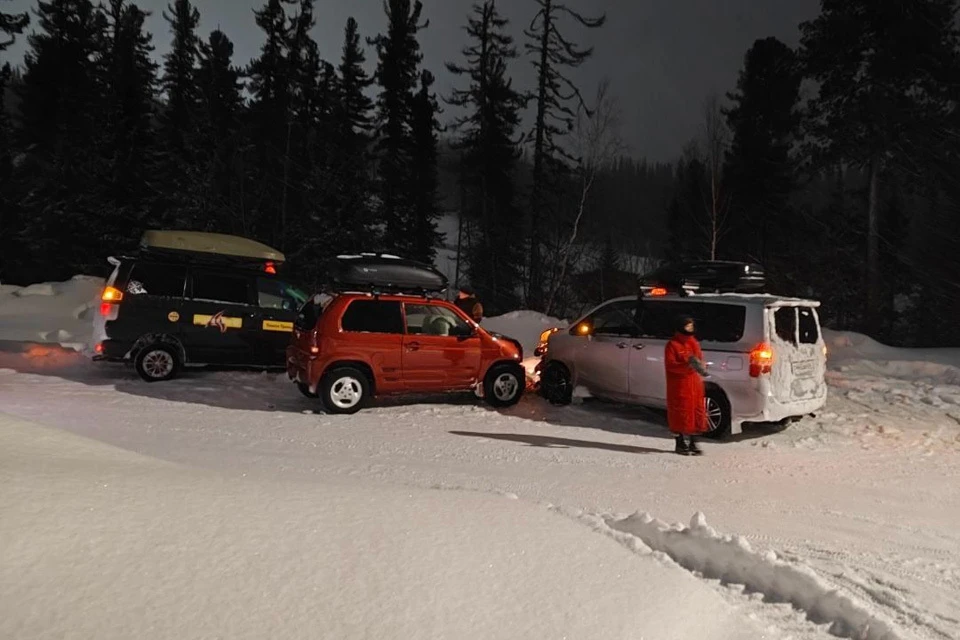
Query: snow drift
point(50, 312)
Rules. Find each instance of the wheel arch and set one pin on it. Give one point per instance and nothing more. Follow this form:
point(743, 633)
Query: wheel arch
point(166, 339)
point(362, 366)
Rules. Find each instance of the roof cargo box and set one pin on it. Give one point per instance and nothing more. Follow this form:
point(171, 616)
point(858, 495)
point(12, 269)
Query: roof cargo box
point(707, 276)
point(210, 245)
point(379, 273)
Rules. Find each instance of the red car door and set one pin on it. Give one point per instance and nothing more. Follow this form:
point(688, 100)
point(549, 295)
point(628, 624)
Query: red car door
point(441, 351)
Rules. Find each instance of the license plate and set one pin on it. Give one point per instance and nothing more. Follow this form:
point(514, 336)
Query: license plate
point(804, 369)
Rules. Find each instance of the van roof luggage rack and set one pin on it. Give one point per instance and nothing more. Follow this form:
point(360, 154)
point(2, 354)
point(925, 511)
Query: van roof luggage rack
point(211, 248)
point(705, 276)
point(383, 273)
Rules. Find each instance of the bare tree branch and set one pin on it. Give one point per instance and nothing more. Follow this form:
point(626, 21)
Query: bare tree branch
point(597, 143)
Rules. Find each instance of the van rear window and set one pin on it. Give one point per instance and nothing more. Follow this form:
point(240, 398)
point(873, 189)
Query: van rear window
point(809, 326)
point(161, 280)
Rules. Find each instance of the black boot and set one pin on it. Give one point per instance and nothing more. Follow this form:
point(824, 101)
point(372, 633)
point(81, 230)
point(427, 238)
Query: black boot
point(693, 448)
point(682, 447)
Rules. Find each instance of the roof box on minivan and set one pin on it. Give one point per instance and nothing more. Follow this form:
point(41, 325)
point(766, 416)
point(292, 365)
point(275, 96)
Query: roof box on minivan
point(209, 243)
point(204, 247)
point(706, 276)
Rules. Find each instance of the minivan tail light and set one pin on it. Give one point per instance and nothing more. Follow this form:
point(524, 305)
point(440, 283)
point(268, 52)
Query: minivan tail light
point(761, 360)
point(109, 310)
point(111, 294)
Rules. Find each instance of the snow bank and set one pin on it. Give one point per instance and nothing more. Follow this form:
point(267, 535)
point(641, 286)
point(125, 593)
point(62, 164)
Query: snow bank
point(104, 543)
point(50, 312)
point(730, 559)
point(856, 353)
point(525, 326)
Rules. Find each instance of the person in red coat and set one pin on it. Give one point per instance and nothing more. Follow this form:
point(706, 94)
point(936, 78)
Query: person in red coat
point(686, 413)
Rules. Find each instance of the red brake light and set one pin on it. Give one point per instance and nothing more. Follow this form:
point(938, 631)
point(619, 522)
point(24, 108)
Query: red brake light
point(761, 360)
point(99, 347)
point(658, 291)
point(270, 268)
point(111, 294)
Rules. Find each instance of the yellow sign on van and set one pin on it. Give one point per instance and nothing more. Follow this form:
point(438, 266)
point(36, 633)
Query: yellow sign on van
point(218, 321)
point(277, 325)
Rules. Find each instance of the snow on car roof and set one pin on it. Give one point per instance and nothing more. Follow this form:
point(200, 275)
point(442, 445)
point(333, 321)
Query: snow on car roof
point(765, 299)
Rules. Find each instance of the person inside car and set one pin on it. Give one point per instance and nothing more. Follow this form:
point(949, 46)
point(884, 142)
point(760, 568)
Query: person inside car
point(686, 412)
point(468, 303)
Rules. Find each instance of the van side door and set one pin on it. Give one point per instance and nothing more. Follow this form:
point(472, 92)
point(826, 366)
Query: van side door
point(603, 359)
point(221, 322)
point(278, 302)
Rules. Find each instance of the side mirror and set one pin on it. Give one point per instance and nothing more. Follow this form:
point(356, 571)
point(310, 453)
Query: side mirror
point(583, 329)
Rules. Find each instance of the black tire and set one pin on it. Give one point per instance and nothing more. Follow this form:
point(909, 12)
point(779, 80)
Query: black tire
point(718, 414)
point(556, 385)
point(503, 385)
point(157, 363)
point(305, 390)
point(344, 390)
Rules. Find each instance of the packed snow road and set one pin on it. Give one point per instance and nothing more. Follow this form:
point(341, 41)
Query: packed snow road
point(864, 494)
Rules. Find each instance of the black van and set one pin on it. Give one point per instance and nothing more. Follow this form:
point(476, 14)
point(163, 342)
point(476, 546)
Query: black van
point(195, 299)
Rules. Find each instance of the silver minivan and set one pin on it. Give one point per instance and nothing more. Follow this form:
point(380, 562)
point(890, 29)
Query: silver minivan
point(765, 355)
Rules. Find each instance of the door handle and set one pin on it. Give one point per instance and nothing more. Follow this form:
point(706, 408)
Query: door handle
point(621, 345)
point(413, 346)
point(639, 346)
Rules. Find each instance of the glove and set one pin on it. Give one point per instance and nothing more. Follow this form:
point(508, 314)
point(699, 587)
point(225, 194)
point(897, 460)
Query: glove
point(697, 366)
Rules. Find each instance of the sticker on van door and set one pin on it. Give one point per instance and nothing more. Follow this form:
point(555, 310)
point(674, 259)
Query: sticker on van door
point(277, 325)
point(218, 321)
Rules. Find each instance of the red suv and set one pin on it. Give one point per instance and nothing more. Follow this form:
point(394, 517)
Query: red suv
point(353, 346)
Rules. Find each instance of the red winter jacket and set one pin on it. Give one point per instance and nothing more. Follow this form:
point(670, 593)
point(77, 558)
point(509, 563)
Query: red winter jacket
point(686, 413)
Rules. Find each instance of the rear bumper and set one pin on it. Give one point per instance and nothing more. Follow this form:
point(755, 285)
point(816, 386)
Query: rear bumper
point(111, 351)
point(299, 368)
point(759, 405)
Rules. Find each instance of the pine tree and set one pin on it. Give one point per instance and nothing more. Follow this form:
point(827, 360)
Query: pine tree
point(490, 151)
point(399, 57)
point(553, 52)
point(130, 86)
point(271, 125)
point(887, 73)
point(423, 183)
point(760, 173)
point(62, 106)
point(220, 114)
point(11, 25)
point(351, 118)
point(179, 122)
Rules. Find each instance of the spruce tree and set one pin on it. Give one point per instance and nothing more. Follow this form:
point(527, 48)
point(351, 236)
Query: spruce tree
point(887, 73)
point(490, 151)
point(760, 173)
point(179, 121)
point(423, 183)
point(399, 57)
point(62, 106)
point(351, 117)
point(270, 122)
point(220, 120)
point(557, 99)
point(130, 86)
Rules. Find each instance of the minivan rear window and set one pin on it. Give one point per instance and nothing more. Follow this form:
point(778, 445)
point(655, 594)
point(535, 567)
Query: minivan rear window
point(715, 322)
point(161, 280)
point(809, 327)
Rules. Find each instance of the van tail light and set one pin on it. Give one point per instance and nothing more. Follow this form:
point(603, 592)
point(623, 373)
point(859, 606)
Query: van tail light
point(761, 360)
point(111, 294)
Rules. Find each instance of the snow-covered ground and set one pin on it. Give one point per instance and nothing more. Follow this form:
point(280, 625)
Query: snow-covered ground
point(225, 504)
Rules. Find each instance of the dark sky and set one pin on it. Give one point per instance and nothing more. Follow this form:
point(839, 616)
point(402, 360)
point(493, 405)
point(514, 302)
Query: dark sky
point(663, 56)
